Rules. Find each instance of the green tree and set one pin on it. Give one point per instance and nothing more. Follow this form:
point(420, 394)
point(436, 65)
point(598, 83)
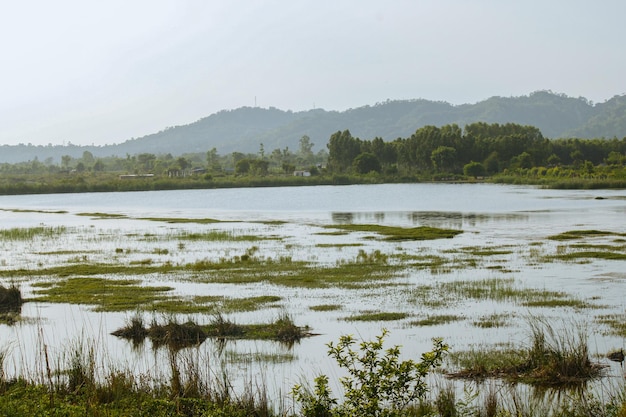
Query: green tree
point(443, 158)
point(366, 163)
point(242, 166)
point(474, 169)
point(342, 149)
point(305, 152)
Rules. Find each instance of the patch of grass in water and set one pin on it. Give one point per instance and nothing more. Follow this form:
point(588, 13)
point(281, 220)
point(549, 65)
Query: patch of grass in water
point(492, 320)
point(496, 289)
point(89, 269)
point(283, 329)
point(177, 220)
point(337, 245)
point(28, 233)
point(615, 322)
point(586, 256)
point(104, 294)
point(259, 357)
point(479, 251)
point(579, 234)
point(364, 269)
point(325, 307)
point(98, 215)
point(400, 233)
point(554, 358)
point(378, 316)
point(221, 236)
point(437, 320)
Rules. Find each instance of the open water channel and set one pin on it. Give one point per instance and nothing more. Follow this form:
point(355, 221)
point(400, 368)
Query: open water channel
point(506, 236)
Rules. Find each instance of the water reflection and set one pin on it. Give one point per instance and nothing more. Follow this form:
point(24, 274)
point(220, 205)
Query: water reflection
point(443, 219)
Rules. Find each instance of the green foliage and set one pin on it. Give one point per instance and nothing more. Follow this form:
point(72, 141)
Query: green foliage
point(377, 382)
point(474, 169)
point(366, 162)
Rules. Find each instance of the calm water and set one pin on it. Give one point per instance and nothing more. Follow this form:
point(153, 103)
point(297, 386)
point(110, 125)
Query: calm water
point(491, 216)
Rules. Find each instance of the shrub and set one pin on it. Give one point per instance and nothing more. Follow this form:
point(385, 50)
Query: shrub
point(378, 384)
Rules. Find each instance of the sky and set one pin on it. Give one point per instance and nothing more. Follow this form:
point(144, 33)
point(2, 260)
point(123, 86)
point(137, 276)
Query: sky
point(101, 72)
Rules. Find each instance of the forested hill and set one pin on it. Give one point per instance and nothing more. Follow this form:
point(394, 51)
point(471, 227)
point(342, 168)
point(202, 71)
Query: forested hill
point(246, 128)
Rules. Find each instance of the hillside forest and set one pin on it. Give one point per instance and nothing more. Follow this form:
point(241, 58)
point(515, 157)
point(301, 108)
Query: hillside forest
point(479, 151)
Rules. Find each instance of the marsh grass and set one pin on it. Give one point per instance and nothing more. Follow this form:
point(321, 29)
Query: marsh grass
point(104, 294)
point(615, 322)
point(377, 316)
point(400, 233)
point(437, 320)
point(10, 304)
point(555, 357)
point(496, 289)
point(325, 307)
point(98, 215)
point(492, 320)
point(580, 234)
point(180, 220)
point(29, 233)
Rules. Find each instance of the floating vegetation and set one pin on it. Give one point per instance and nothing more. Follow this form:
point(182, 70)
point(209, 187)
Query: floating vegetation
point(378, 316)
point(437, 320)
point(400, 233)
point(28, 233)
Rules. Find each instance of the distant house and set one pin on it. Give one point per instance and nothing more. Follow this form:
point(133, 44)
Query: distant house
point(301, 173)
point(198, 171)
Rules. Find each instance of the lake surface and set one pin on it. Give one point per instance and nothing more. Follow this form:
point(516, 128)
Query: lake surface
point(505, 236)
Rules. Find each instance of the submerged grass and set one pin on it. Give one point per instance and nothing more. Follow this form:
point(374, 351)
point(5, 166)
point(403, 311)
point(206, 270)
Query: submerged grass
point(400, 233)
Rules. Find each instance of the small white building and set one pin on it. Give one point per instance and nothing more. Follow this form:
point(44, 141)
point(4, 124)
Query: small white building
point(301, 173)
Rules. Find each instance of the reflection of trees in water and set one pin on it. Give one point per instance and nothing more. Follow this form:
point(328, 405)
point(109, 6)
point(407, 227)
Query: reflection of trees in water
point(440, 219)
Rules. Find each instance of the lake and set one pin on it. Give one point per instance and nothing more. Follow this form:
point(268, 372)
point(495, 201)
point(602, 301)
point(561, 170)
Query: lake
point(507, 240)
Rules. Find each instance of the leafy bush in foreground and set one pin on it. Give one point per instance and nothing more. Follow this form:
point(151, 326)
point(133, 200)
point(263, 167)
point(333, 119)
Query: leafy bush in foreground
point(378, 383)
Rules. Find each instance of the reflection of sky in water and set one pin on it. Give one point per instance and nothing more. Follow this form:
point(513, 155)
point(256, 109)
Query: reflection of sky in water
point(516, 218)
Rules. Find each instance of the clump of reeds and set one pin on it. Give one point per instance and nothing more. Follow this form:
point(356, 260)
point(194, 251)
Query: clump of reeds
point(176, 335)
point(553, 358)
point(172, 334)
point(559, 357)
point(134, 330)
point(221, 327)
point(10, 299)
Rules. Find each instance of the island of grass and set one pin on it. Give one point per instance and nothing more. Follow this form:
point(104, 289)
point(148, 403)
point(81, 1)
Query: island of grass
point(395, 233)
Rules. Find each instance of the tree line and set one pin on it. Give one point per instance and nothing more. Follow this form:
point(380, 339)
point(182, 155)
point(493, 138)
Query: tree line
point(475, 150)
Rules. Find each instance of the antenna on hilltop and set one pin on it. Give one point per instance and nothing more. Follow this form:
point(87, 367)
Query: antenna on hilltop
point(254, 101)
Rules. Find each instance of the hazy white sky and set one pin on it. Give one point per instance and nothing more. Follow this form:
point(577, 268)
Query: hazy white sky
point(90, 71)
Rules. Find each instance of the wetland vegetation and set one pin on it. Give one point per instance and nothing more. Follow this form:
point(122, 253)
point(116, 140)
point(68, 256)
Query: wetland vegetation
point(215, 299)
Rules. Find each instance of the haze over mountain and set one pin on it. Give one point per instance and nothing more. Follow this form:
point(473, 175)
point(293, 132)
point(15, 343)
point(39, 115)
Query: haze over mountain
point(246, 128)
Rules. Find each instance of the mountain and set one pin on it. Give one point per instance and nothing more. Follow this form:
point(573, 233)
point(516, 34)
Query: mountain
point(246, 128)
